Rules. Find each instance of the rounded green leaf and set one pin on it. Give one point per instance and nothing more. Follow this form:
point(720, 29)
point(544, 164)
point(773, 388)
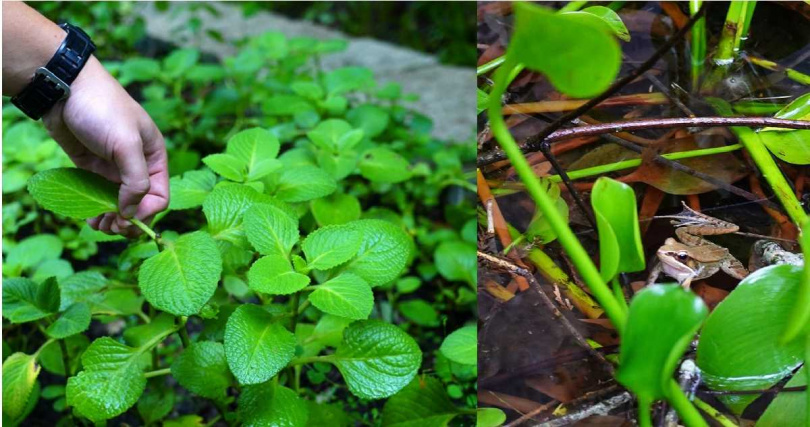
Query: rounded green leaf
point(423, 403)
point(620, 248)
point(255, 347)
point(578, 56)
point(20, 302)
point(32, 251)
point(270, 230)
point(335, 135)
point(273, 274)
point(420, 312)
point(270, 404)
point(191, 190)
point(20, 373)
point(75, 193)
point(739, 346)
point(257, 149)
point(381, 164)
point(377, 359)
point(662, 322)
point(304, 183)
point(227, 166)
point(331, 246)
point(224, 208)
point(74, 320)
point(456, 260)
point(182, 277)
point(347, 295)
point(203, 370)
point(489, 417)
point(461, 346)
point(383, 253)
point(611, 19)
point(338, 208)
point(369, 117)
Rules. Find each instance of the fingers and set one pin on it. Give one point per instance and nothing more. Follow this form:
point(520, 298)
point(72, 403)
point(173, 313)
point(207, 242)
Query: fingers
point(154, 149)
point(128, 155)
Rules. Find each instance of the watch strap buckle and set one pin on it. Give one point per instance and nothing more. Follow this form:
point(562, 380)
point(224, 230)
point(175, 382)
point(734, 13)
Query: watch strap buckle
point(53, 79)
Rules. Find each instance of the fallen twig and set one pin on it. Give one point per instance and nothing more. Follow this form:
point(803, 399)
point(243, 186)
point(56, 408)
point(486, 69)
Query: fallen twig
point(602, 408)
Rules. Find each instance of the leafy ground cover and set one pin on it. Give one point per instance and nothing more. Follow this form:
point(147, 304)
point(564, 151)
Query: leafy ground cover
point(593, 129)
point(315, 266)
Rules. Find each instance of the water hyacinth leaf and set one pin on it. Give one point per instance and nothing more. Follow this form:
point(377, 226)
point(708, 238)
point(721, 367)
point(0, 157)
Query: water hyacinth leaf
point(376, 359)
point(790, 145)
point(227, 166)
point(182, 277)
point(270, 230)
point(620, 248)
point(191, 190)
point(257, 148)
point(74, 320)
point(381, 164)
point(203, 369)
point(111, 382)
point(800, 314)
point(610, 18)
point(455, 260)
point(331, 246)
point(461, 346)
point(337, 208)
point(74, 193)
point(383, 252)
point(739, 346)
point(270, 404)
point(423, 402)
point(20, 373)
point(662, 322)
point(256, 348)
point(347, 295)
point(579, 57)
point(273, 274)
point(489, 417)
point(788, 409)
point(798, 109)
point(304, 183)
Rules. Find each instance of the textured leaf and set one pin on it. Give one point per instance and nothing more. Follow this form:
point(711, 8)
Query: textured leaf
point(423, 403)
point(182, 277)
point(384, 165)
point(273, 274)
point(346, 295)
point(75, 193)
point(331, 246)
point(304, 183)
point(270, 404)
point(377, 359)
point(141, 335)
point(227, 166)
point(20, 373)
point(461, 346)
point(383, 252)
point(34, 250)
point(255, 347)
point(271, 230)
point(257, 149)
point(20, 302)
point(224, 208)
point(73, 321)
point(335, 209)
point(455, 260)
point(203, 370)
point(191, 190)
point(111, 382)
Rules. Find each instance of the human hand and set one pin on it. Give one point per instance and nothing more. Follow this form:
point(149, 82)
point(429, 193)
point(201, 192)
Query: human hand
point(103, 130)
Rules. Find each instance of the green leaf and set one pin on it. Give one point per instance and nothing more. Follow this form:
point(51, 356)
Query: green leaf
point(798, 109)
point(57, 268)
point(331, 246)
point(372, 119)
point(185, 421)
point(335, 135)
point(662, 322)
point(337, 208)
point(620, 247)
point(482, 101)
point(48, 297)
point(255, 347)
point(50, 356)
point(577, 55)
point(490, 417)
point(227, 166)
point(383, 165)
point(423, 403)
point(739, 346)
point(307, 89)
point(111, 382)
point(285, 105)
point(203, 370)
point(383, 252)
point(177, 63)
point(455, 260)
point(191, 190)
point(461, 346)
point(257, 148)
point(347, 295)
point(273, 274)
point(329, 330)
point(20, 373)
point(224, 208)
point(304, 183)
point(34, 250)
point(376, 359)
point(333, 415)
point(788, 409)
point(348, 79)
point(612, 20)
point(271, 230)
point(22, 300)
point(73, 321)
point(790, 145)
point(420, 312)
point(141, 335)
point(156, 403)
point(138, 70)
point(182, 277)
point(74, 193)
point(270, 404)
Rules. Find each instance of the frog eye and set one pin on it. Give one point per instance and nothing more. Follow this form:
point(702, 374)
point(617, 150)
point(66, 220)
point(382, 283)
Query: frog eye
point(682, 256)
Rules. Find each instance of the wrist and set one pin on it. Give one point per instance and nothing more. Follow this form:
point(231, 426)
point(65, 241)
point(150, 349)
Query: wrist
point(27, 50)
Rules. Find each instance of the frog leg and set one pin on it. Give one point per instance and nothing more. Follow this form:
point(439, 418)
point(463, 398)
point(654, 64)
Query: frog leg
point(734, 268)
point(654, 273)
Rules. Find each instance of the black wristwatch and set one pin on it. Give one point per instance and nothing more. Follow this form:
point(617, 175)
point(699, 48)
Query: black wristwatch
point(51, 83)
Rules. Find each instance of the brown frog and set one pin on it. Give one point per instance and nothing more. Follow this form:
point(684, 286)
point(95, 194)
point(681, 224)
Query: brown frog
point(693, 257)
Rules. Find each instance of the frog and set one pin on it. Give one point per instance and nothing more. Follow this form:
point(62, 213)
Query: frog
point(691, 256)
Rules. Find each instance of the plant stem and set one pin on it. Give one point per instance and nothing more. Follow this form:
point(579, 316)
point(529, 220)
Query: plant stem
point(619, 293)
point(714, 413)
point(654, 98)
point(65, 357)
point(572, 6)
point(294, 310)
point(773, 66)
point(146, 229)
point(644, 416)
point(686, 410)
point(579, 256)
point(698, 43)
point(491, 65)
point(159, 372)
point(183, 332)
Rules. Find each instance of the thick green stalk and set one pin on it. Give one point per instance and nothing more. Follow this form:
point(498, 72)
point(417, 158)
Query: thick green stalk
point(644, 412)
point(773, 66)
point(581, 259)
point(714, 413)
point(573, 6)
point(698, 43)
point(683, 406)
point(491, 65)
point(800, 314)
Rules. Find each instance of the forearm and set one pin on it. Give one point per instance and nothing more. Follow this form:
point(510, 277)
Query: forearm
point(29, 42)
